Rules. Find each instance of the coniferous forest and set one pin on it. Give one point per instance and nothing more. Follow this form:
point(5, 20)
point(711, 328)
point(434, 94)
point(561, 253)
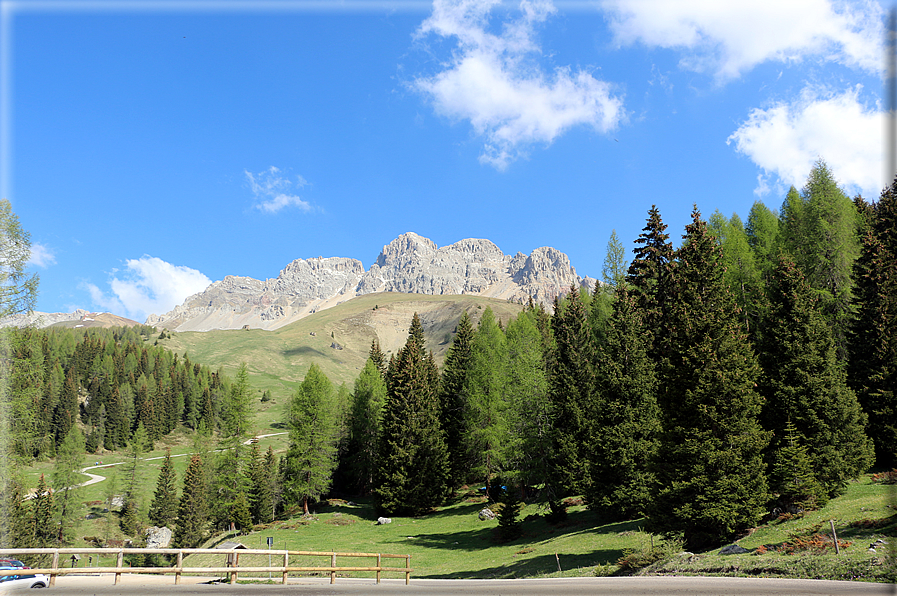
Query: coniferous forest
point(752, 368)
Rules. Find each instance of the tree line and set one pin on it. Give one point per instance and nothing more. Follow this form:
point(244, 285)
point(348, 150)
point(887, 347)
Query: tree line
point(751, 368)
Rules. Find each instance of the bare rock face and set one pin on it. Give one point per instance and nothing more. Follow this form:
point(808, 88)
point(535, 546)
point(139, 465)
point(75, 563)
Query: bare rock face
point(408, 264)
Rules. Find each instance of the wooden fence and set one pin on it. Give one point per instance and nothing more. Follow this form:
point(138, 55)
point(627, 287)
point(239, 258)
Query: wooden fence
point(231, 568)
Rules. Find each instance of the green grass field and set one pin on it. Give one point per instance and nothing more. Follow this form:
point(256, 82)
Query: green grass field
point(454, 543)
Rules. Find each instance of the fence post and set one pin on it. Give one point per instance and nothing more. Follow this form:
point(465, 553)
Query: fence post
point(378, 567)
point(233, 574)
point(408, 572)
point(333, 571)
point(118, 564)
point(55, 567)
point(286, 563)
point(180, 564)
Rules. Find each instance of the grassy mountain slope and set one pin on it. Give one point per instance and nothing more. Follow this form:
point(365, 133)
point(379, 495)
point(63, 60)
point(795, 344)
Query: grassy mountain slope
point(281, 357)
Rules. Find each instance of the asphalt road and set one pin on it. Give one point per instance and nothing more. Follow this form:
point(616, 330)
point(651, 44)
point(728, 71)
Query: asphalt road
point(607, 586)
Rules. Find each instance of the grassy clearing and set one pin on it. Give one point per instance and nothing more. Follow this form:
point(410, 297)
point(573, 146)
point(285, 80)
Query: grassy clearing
point(454, 543)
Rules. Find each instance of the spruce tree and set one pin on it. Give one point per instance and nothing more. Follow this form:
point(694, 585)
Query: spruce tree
point(413, 468)
point(453, 400)
point(627, 422)
point(791, 476)
point(711, 481)
point(261, 497)
point(190, 530)
point(164, 506)
point(46, 532)
point(873, 338)
point(648, 274)
point(311, 457)
point(379, 358)
point(572, 391)
point(804, 383)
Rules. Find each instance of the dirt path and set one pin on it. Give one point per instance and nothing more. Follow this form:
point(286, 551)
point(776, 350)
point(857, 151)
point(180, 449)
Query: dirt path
point(95, 478)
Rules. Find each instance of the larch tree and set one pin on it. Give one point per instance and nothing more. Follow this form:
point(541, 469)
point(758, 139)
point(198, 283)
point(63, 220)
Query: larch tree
point(231, 484)
point(821, 235)
point(133, 474)
point(45, 531)
point(529, 413)
point(18, 289)
point(66, 477)
point(711, 481)
point(364, 429)
point(805, 385)
point(261, 492)
point(485, 410)
point(742, 275)
point(311, 456)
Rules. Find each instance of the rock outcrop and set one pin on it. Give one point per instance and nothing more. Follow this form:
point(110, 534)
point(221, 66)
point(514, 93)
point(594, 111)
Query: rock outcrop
point(408, 264)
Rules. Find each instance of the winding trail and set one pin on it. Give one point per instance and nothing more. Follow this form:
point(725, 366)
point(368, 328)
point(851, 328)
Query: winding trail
point(95, 478)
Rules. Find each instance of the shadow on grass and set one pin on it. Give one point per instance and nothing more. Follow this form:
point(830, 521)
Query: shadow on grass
point(533, 566)
point(303, 351)
point(533, 530)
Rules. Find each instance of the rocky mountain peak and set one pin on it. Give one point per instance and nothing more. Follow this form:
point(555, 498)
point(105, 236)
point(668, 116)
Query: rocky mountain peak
point(408, 264)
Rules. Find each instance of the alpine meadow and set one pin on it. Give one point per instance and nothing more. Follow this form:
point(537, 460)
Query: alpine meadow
point(734, 387)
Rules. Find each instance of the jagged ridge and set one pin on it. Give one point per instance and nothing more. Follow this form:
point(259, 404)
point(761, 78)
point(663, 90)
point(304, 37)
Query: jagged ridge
point(408, 264)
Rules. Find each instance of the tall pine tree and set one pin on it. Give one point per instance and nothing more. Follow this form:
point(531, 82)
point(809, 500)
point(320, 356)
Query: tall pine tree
point(572, 391)
point(164, 506)
point(804, 384)
point(193, 515)
point(711, 481)
point(627, 419)
point(873, 339)
point(413, 468)
point(453, 400)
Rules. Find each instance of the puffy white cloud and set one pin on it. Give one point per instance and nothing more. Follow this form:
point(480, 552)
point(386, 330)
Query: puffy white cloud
point(272, 190)
point(728, 38)
point(493, 81)
point(148, 285)
point(41, 256)
point(787, 138)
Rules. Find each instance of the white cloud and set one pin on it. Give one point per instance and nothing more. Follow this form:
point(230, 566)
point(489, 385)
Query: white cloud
point(41, 256)
point(787, 138)
point(493, 81)
point(271, 190)
point(729, 38)
point(148, 285)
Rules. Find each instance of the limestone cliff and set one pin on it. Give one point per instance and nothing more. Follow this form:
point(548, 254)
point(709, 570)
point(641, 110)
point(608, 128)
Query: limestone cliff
point(408, 264)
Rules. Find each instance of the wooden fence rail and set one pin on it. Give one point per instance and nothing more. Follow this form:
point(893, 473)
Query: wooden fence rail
point(232, 567)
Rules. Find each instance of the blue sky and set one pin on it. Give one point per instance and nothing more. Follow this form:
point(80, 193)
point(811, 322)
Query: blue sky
point(151, 147)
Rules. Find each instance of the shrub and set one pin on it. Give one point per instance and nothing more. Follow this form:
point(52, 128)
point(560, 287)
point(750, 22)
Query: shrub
point(634, 559)
point(508, 525)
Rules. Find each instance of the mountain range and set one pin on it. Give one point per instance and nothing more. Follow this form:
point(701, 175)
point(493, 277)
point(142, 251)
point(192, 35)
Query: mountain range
point(409, 264)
